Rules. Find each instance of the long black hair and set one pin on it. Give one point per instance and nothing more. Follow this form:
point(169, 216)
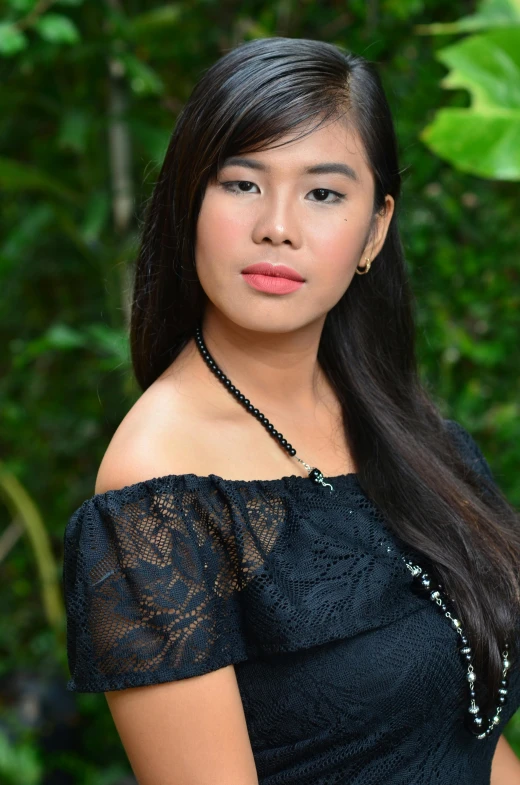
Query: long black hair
point(408, 462)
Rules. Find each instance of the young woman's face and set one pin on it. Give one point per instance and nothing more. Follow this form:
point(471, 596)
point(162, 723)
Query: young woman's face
point(265, 207)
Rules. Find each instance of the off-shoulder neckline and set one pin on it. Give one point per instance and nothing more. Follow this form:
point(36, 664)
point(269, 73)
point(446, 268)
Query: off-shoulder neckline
point(192, 479)
point(287, 480)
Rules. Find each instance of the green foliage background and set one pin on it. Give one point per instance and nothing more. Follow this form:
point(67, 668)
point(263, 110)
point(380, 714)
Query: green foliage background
point(89, 95)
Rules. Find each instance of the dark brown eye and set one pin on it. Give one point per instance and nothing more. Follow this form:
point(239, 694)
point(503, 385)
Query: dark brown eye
point(325, 191)
point(233, 185)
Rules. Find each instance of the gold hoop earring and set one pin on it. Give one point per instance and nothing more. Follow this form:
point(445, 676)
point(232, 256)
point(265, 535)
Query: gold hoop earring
point(365, 269)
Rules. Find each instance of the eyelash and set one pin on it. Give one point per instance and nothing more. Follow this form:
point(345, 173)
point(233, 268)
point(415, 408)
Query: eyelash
point(227, 187)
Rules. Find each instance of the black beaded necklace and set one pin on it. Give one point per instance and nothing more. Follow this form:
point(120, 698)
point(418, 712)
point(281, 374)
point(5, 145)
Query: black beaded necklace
point(314, 473)
point(474, 722)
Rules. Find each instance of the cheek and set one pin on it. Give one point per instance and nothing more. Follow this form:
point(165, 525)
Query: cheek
point(218, 232)
point(337, 245)
point(219, 238)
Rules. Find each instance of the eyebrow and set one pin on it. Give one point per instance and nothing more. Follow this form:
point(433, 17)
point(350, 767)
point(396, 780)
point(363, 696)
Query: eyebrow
point(325, 168)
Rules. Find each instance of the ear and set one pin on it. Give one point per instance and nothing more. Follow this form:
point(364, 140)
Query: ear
point(379, 230)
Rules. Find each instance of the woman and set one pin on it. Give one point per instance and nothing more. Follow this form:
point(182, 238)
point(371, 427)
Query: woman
point(293, 569)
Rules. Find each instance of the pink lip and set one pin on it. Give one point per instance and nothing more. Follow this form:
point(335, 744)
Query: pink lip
point(271, 283)
point(272, 278)
point(278, 270)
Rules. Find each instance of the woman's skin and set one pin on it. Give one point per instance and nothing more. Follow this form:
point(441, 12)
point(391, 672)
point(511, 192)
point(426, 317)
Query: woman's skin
point(505, 768)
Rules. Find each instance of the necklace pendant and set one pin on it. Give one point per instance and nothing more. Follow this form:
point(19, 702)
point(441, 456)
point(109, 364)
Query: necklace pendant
point(317, 477)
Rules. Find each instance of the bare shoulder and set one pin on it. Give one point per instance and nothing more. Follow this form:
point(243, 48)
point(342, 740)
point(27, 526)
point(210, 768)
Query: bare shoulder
point(158, 436)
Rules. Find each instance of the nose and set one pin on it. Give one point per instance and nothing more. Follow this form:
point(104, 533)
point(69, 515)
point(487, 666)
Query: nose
point(277, 222)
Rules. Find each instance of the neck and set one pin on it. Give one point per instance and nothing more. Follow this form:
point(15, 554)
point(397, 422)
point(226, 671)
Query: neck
point(279, 367)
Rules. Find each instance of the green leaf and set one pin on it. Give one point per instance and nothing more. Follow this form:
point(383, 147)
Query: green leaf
point(99, 338)
point(110, 341)
point(57, 29)
point(95, 216)
point(12, 40)
point(483, 139)
point(18, 762)
point(24, 234)
point(479, 144)
point(58, 337)
point(491, 14)
point(73, 130)
point(15, 176)
point(22, 6)
point(143, 79)
point(61, 336)
point(402, 9)
point(154, 140)
point(157, 19)
point(488, 66)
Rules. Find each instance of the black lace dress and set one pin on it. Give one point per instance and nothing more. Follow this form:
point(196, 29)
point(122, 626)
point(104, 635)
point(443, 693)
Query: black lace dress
point(346, 674)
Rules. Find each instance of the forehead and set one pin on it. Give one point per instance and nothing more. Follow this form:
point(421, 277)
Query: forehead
point(334, 143)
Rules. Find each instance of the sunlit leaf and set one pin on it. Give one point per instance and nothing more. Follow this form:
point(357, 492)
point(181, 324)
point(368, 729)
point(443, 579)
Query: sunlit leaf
point(488, 66)
point(61, 336)
point(483, 139)
point(57, 29)
point(143, 79)
point(18, 762)
point(12, 40)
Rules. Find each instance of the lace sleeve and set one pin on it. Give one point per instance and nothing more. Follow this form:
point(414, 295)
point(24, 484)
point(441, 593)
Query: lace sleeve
point(150, 586)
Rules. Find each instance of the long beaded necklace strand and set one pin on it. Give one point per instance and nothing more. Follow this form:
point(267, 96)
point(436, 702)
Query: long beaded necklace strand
point(474, 721)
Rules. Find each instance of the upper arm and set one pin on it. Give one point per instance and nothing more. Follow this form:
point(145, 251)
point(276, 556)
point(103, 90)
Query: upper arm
point(188, 732)
point(505, 768)
point(183, 731)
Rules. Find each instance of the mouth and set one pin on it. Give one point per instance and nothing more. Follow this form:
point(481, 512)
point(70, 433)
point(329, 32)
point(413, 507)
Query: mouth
point(274, 270)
